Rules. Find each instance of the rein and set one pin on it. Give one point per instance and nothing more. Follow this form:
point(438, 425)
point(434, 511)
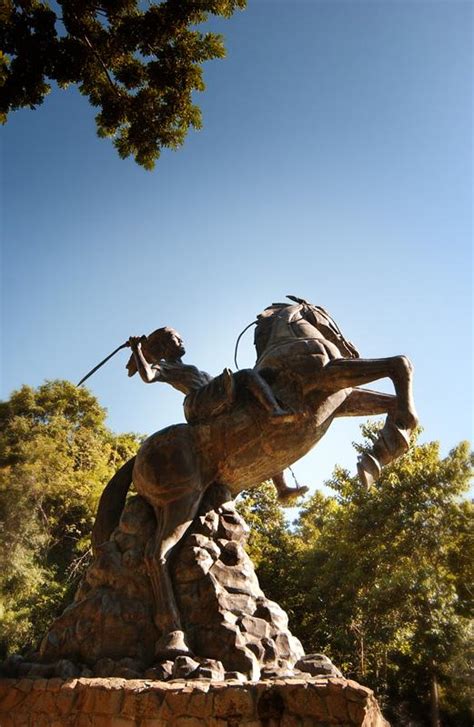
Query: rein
point(238, 341)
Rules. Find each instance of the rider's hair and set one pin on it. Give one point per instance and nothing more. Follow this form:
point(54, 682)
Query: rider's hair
point(156, 346)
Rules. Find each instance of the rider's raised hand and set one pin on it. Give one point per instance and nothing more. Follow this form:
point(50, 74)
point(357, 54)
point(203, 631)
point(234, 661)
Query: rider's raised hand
point(134, 341)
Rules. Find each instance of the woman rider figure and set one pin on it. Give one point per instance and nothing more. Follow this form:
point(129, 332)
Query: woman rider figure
point(157, 357)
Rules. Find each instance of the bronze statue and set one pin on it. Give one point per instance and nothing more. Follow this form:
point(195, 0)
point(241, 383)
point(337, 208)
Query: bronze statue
point(157, 357)
point(250, 429)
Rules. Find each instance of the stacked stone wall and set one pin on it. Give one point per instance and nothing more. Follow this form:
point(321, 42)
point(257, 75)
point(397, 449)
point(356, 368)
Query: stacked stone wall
point(290, 702)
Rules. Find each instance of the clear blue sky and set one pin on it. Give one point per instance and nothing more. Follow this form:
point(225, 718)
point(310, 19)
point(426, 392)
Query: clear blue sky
point(335, 163)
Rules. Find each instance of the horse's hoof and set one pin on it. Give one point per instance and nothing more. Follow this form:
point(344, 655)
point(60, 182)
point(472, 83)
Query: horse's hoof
point(368, 469)
point(408, 421)
point(395, 439)
point(172, 644)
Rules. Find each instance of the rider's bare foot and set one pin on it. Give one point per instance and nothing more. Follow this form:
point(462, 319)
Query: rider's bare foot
point(172, 644)
point(291, 493)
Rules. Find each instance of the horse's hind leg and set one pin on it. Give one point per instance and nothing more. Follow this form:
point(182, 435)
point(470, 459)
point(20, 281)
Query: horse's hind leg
point(172, 522)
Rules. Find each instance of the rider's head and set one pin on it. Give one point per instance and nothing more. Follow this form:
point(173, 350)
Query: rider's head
point(164, 343)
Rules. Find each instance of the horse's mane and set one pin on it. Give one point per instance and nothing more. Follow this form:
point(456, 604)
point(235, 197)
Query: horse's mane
point(315, 315)
point(265, 321)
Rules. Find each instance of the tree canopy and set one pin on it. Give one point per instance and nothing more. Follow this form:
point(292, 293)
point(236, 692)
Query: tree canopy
point(138, 66)
point(381, 579)
point(56, 455)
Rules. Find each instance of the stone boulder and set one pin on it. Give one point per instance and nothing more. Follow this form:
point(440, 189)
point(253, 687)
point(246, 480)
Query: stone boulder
point(225, 613)
point(111, 617)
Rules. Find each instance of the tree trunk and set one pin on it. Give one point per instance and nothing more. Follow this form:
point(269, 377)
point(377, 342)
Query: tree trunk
point(434, 702)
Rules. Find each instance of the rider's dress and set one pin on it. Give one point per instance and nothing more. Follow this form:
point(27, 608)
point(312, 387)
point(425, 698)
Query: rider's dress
point(206, 396)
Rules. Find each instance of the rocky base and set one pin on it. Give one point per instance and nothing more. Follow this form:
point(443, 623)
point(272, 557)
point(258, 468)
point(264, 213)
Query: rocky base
point(183, 667)
point(233, 630)
point(290, 702)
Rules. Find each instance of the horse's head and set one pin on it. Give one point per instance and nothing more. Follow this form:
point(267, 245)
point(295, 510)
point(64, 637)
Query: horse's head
point(289, 315)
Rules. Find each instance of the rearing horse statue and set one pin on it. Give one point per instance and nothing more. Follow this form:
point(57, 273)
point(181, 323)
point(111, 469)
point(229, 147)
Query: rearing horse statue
point(315, 373)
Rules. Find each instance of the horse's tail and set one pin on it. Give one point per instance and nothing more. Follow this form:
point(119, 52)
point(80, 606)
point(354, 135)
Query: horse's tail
point(111, 504)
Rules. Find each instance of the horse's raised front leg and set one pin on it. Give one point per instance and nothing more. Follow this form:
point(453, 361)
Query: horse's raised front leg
point(394, 438)
point(172, 522)
point(364, 402)
point(348, 373)
point(392, 441)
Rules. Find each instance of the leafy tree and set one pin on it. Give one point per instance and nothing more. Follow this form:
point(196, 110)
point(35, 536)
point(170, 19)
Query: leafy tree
point(138, 66)
point(386, 579)
point(272, 547)
point(380, 579)
point(56, 454)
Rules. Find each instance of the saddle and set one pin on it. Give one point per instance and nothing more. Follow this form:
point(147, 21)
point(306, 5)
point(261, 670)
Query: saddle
point(210, 400)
